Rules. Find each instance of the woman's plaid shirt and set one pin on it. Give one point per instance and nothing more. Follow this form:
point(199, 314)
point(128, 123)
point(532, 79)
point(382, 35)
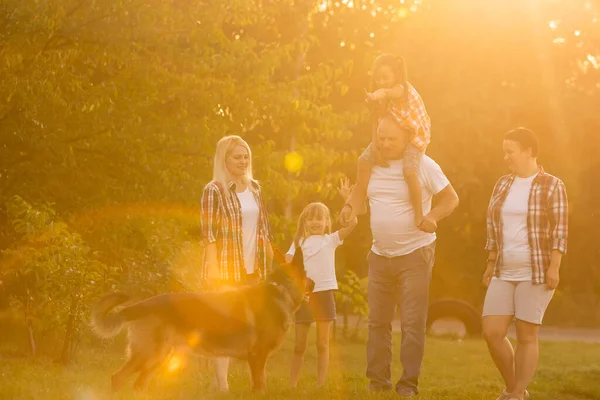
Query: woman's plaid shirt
point(547, 221)
point(221, 223)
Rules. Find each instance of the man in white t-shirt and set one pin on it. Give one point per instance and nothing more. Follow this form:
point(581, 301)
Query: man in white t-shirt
point(401, 259)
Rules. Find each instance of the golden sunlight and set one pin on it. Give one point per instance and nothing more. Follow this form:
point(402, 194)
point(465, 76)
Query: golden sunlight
point(293, 162)
point(175, 363)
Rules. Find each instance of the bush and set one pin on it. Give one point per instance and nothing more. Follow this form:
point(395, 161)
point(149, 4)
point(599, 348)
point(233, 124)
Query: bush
point(50, 277)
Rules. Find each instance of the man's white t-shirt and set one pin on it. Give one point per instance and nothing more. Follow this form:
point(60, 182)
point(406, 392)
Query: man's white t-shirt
point(392, 214)
point(516, 252)
point(250, 212)
point(319, 259)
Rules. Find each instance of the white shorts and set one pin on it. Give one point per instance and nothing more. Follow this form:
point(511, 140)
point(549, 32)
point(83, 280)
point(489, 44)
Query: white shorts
point(523, 300)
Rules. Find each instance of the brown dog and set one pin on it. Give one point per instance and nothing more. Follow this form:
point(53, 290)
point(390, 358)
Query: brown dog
point(247, 323)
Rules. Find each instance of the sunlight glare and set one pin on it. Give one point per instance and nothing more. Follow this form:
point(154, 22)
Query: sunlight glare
point(594, 61)
point(293, 162)
point(174, 363)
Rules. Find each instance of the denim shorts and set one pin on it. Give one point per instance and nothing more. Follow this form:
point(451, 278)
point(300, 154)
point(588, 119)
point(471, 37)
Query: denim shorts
point(320, 307)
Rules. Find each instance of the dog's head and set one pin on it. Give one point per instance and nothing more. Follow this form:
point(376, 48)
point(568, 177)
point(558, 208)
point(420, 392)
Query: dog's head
point(292, 275)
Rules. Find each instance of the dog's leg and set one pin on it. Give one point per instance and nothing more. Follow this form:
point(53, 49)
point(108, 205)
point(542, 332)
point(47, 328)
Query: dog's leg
point(133, 364)
point(150, 366)
point(257, 363)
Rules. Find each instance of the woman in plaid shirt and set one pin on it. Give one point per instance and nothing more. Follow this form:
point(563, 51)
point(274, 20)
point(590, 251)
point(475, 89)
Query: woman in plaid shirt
point(235, 228)
point(526, 239)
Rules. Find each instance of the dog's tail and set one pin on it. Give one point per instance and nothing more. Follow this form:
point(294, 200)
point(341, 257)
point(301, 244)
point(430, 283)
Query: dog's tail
point(104, 324)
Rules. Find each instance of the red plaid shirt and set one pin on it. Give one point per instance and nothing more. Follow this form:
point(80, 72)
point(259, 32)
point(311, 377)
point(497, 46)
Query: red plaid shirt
point(413, 115)
point(547, 221)
point(221, 223)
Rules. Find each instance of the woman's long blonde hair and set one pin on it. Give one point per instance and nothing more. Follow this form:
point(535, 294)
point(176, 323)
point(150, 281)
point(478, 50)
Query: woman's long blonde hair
point(313, 210)
point(224, 147)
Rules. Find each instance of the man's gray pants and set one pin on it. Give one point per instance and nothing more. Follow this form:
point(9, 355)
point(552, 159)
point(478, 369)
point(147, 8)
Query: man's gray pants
point(404, 279)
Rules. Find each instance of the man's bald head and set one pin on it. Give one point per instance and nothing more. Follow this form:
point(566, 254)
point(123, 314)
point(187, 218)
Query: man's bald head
point(391, 138)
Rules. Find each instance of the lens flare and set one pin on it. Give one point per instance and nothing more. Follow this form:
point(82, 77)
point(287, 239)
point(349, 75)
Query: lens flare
point(293, 162)
point(175, 363)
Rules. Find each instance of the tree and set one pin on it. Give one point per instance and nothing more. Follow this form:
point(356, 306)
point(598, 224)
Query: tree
point(51, 275)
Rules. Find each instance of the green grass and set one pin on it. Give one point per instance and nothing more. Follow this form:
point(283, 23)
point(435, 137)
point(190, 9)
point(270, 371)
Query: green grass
point(452, 370)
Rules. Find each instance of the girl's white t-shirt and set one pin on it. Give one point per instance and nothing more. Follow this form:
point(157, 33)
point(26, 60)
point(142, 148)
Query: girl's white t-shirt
point(319, 259)
point(250, 212)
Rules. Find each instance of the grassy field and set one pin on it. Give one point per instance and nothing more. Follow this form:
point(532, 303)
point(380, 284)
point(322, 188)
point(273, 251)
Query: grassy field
point(452, 370)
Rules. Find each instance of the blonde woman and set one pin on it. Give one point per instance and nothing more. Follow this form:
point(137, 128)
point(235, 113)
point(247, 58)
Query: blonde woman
point(235, 228)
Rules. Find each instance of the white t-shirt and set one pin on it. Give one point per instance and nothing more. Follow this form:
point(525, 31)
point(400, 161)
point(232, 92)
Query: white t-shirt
point(250, 212)
point(392, 214)
point(319, 259)
point(516, 252)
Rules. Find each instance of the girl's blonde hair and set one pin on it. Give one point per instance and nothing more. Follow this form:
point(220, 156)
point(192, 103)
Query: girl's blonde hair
point(313, 210)
point(224, 147)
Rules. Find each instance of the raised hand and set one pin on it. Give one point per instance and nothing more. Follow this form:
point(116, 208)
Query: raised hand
point(378, 95)
point(345, 188)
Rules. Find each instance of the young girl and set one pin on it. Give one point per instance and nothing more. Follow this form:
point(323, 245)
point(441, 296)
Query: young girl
point(394, 95)
point(318, 246)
